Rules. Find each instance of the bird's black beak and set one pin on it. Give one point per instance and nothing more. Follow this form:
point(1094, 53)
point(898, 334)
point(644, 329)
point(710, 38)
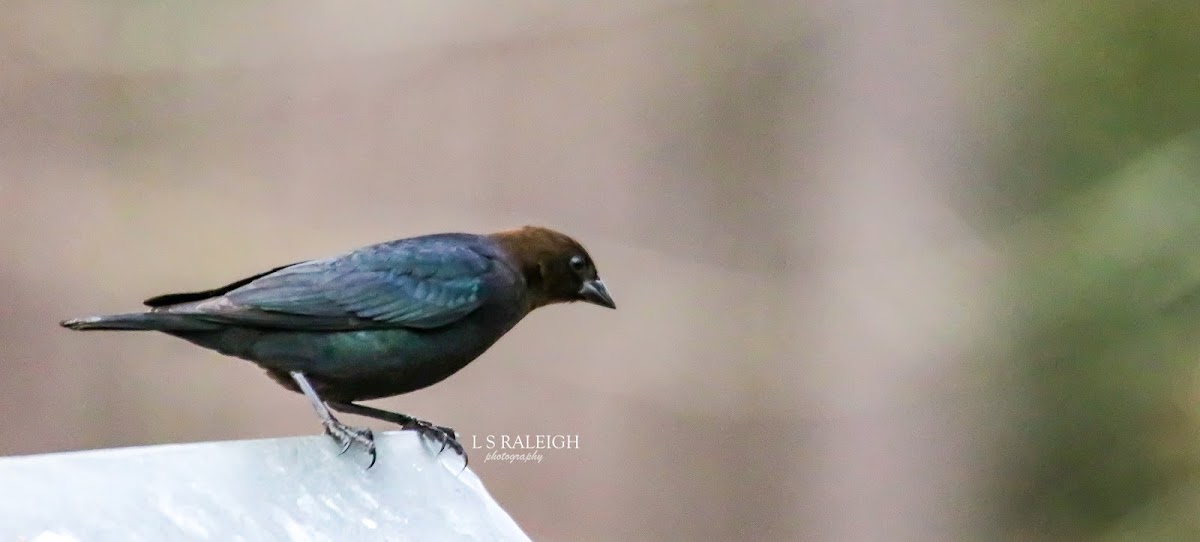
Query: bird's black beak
point(595, 292)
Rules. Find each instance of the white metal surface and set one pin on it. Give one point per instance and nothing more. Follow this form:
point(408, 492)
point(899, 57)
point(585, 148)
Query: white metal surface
point(277, 489)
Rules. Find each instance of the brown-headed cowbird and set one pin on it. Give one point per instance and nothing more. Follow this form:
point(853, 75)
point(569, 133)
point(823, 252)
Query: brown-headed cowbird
point(379, 321)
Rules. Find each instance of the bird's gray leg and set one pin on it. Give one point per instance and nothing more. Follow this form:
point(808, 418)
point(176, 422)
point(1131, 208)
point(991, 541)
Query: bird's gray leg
point(342, 433)
point(371, 412)
point(445, 435)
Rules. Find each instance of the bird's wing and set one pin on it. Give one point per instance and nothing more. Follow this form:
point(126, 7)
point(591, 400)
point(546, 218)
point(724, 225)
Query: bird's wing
point(419, 285)
point(178, 298)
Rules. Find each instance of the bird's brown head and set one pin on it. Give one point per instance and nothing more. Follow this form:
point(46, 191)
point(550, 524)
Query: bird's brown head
point(556, 267)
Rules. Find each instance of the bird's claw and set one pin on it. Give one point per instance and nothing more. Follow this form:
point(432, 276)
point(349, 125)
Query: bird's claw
point(448, 437)
point(347, 436)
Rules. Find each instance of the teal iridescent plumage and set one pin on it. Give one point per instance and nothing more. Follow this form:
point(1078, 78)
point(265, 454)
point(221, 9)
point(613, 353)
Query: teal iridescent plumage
point(382, 320)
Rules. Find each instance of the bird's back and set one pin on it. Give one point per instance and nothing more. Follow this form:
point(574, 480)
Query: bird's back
point(378, 321)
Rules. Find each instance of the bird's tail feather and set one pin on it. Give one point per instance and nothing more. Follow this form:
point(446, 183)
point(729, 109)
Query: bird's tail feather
point(139, 321)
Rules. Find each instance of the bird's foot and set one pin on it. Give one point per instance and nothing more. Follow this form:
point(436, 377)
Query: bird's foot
point(438, 434)
point(347, 436)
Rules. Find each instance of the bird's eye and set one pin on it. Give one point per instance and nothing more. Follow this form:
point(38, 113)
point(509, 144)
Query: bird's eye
point(577, 263)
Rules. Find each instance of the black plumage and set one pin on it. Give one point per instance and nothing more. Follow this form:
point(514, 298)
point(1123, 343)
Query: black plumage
point(379, 321)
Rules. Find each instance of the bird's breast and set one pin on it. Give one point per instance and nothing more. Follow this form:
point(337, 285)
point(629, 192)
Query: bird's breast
point(369, 364)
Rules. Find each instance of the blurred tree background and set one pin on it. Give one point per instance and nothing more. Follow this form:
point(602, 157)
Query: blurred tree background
point(887, 271)
point(1098, 201)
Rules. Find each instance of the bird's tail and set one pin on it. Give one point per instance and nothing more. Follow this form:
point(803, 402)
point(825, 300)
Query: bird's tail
point(139, 321)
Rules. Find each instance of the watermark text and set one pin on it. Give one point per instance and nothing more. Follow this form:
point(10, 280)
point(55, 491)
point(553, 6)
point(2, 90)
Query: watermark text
point(522, 448)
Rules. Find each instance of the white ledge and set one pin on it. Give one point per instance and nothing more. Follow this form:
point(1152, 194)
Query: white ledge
point(277, 489)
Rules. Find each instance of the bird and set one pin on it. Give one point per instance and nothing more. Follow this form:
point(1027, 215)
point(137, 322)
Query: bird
point(378, 321)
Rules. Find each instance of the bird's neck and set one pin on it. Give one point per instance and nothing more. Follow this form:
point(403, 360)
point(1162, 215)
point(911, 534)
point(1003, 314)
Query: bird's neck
point(528, 249)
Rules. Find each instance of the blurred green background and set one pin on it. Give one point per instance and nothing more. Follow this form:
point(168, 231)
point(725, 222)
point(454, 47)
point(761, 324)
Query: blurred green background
point(887, 271)
point(1098, 203)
